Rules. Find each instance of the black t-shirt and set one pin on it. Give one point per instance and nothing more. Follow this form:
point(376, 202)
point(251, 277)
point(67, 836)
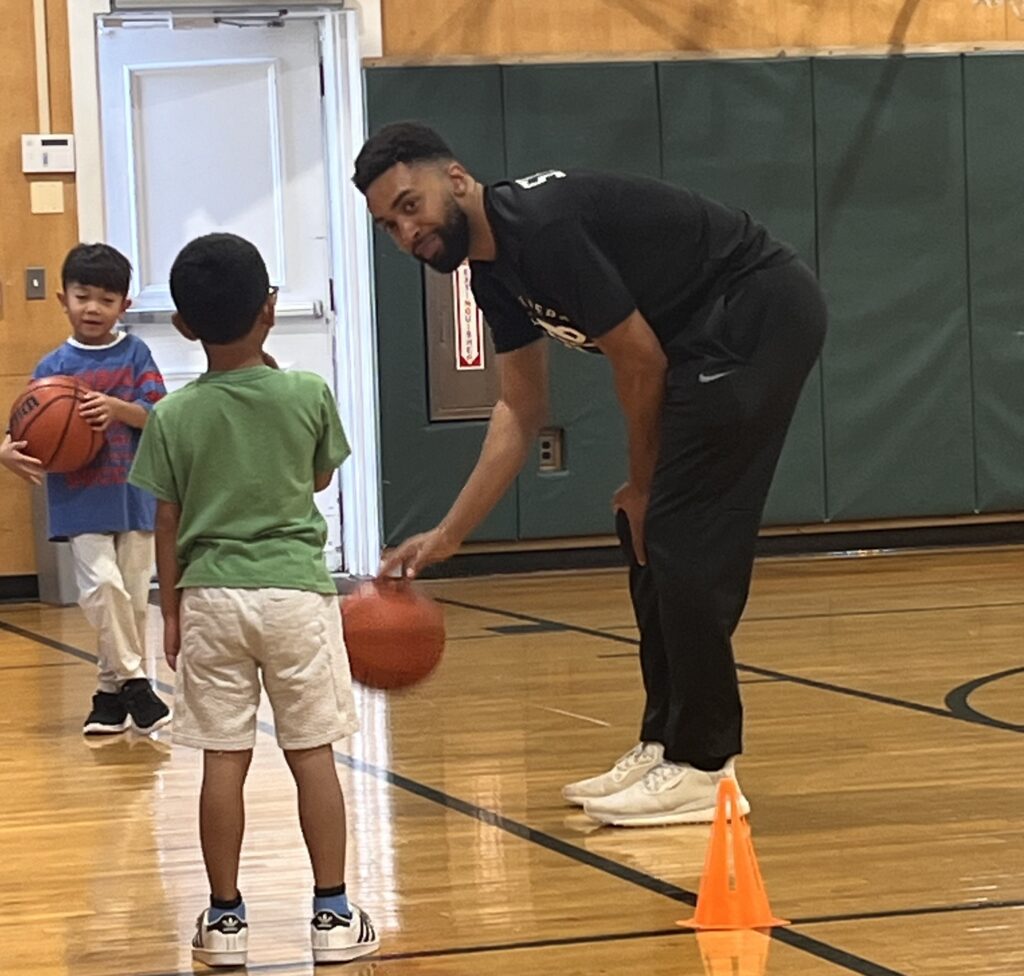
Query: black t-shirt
point(578, 252)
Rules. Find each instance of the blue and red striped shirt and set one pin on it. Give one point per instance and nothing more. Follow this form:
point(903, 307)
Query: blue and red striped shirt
point(98, 498)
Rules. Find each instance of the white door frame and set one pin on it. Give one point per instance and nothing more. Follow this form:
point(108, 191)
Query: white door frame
point(355, 346)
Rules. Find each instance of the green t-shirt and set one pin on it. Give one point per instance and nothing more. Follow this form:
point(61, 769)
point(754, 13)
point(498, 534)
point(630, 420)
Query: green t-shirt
point(238, 451)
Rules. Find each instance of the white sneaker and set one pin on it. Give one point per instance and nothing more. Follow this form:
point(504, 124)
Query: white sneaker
point(221, 943)
point(670, 793)
point(628, 770)
point(340, 938)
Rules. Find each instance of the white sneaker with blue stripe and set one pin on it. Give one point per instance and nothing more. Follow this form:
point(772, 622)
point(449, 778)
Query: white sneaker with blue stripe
point(341, 938)
point(224, 942)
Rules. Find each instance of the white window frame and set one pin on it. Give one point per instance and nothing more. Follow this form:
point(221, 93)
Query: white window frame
point(342, 34)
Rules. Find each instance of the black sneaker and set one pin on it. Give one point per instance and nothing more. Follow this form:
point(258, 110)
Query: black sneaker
point(148, 713)
point(108, 715)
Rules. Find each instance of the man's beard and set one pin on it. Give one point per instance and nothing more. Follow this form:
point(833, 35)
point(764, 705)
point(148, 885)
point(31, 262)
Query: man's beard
point(454, 238)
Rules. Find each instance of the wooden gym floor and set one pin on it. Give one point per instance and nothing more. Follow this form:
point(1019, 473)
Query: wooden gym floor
point(885, 705)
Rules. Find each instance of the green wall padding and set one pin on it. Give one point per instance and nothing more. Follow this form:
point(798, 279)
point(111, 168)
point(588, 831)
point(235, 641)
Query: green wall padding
point(602, 117)
point(584, 116)
point(995, 193)
point(742, 132)
point(424, 465)
point(892, 258)
point(901, 175)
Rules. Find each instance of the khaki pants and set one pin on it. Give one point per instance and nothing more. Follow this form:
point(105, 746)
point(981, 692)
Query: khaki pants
point(113, 573)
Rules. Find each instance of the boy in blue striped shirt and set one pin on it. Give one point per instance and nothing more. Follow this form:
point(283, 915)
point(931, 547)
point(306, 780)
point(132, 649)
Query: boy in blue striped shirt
point(108, 522)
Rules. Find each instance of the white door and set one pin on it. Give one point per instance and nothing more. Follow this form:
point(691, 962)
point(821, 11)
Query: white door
point(219, 127)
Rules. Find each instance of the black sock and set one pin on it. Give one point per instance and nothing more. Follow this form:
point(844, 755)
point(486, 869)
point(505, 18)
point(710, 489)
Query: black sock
point(225, 906)
point(329, 892)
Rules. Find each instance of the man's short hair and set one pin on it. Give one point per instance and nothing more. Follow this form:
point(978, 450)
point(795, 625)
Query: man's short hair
point(400, 142)
point(219, 283)
point(98, 266)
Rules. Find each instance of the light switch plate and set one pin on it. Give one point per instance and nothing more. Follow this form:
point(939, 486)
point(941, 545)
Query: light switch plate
point(35, 283)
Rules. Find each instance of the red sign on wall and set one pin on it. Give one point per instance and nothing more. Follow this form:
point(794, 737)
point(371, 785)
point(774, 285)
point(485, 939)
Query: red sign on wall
point(469, 323)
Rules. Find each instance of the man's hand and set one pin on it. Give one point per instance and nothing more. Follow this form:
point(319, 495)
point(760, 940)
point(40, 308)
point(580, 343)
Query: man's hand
point(639, 366)
point(633, 503)
point(100, 410)
point(416, 553)
point(172, 641)
point(23, 465)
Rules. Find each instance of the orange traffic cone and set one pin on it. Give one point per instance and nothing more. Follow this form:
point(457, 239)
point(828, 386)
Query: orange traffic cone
point(720, 904)
point(742, 952)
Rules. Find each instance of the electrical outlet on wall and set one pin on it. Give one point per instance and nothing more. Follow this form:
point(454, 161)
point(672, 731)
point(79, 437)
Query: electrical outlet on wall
point(551, 447)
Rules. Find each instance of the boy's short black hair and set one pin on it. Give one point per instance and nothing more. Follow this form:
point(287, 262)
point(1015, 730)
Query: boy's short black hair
point(98, 265)
point(400, 142)
point(219, 283)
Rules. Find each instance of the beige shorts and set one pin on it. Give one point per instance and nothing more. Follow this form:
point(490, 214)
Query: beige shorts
point(230, 637)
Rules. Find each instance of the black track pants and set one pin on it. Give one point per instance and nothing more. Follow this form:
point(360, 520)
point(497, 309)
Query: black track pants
point(724, 422)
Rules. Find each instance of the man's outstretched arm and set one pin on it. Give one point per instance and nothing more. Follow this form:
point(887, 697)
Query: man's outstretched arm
point(517, 416)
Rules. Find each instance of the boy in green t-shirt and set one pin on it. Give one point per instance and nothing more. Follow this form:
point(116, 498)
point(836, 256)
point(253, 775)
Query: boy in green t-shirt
point(234, 459)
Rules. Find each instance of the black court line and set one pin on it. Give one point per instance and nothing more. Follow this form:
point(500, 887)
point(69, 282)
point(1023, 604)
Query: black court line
point(512, 629)
point(967, 715)
point(797, 940)
point(34, 667)
point(465, 950)
point(537, 944)
point(249, 967)
point(742, 681)
point(957, 700)
point(618, 937)
point(840, 957)
point(48, 642)
point(891, 611)
point(603, 864)
point(964, 906)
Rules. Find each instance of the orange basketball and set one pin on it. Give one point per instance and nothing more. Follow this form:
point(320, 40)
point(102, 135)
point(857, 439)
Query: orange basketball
point(394, 634)
point(46, 415)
